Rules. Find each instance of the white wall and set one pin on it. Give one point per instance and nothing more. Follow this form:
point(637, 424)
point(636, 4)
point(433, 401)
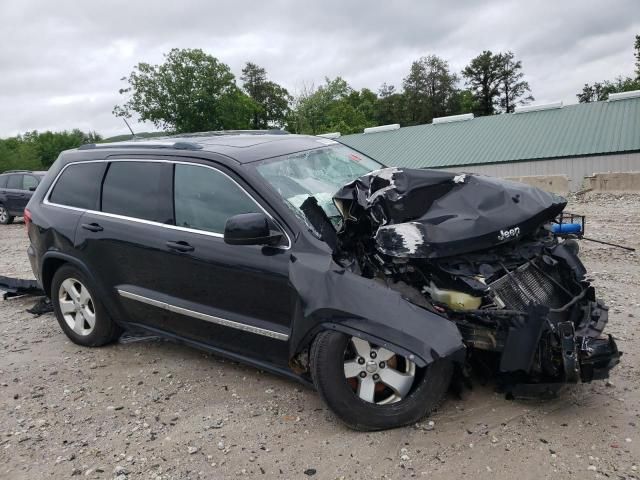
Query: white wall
point(575, 168)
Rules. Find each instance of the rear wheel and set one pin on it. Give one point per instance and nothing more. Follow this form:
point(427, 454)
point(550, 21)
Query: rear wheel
point(80, 313)
point(373, 388)
point(5, 218)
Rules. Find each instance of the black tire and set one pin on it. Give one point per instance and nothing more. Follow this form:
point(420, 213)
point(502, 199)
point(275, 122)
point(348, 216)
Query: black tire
point(104, 331)
point(327, 369)
point(5, 218)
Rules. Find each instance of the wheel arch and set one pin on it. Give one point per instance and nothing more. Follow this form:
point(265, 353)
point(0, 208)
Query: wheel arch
point(401, 343)
point(370, 337)
point(53, 260)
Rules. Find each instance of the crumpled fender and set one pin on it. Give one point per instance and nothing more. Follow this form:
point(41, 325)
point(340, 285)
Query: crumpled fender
point(333, 297)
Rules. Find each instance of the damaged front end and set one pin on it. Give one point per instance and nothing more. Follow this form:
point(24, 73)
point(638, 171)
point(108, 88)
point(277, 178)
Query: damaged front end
point(481, 252)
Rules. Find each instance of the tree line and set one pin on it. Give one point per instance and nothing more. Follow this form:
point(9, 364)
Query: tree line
point(38, 150)
point(193, 91)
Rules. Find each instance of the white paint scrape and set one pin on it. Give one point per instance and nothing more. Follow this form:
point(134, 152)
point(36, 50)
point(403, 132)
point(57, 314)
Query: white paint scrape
point(460, 178)
point(410, 233)
point(385, 174)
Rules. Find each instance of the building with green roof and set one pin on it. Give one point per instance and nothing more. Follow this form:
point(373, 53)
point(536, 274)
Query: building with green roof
point(575, 141)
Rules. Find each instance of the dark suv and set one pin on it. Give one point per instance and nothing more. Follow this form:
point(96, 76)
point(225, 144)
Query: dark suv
point(304, 257)
point(16, 188)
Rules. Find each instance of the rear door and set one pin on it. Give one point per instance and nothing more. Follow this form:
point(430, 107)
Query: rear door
point(15, 195)
point(124, 241)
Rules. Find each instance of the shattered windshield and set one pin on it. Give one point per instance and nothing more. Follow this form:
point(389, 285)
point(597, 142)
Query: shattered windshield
point(318, 173)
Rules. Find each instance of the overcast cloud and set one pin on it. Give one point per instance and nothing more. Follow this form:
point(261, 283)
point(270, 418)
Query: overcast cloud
point(61, 61)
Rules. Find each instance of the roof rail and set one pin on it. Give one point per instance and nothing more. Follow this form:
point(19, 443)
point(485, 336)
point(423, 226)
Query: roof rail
point(17, 171)
point(271, 131)
point(174, 145)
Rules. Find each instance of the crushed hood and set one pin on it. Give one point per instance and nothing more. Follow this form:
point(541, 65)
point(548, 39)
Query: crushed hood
point(420, 213)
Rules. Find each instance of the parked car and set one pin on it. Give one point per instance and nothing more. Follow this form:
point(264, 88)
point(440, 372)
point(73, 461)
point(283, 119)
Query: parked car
point(16, 188)
point(304, 257)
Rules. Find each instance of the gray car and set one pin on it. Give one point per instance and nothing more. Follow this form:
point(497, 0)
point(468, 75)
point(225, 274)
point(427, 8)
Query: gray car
point(16, 189)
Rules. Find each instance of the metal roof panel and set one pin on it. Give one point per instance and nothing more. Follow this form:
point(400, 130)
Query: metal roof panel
point(574, 130)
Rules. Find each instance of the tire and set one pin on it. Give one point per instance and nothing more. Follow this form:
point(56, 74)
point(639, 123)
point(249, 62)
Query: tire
point(85, 321)
point(5, 218)
point(328, 366)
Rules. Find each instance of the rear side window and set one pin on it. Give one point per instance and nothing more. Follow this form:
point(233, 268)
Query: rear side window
point(15, 182)
point(206, 198)
point(29, 182)
point(139, 190)
point(79, 186)
point(3, 181)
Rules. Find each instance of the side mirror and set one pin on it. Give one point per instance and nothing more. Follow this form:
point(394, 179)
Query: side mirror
point(32, 189)
point(251, 229)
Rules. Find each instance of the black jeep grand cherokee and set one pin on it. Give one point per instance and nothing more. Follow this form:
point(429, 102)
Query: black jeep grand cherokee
point(304, 257)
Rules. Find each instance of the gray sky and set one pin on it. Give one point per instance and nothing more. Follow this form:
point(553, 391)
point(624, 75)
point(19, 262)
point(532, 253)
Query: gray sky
point(61, 61)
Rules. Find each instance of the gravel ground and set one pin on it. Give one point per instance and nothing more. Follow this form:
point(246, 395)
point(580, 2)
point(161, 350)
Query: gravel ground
point(156, 410)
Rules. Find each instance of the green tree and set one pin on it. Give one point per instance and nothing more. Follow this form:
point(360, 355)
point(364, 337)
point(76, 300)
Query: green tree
point(512, 88)
point(190, 92)
point(391, 106)
point(599, 91)
point(428, 89)
point(483, 75)
point(50, 144)
point(35, 151)
point(592, 93)
point(272, 100)
point(334, 106)
point(462, 101)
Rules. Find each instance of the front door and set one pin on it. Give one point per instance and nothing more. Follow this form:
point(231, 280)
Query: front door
point(242, 290)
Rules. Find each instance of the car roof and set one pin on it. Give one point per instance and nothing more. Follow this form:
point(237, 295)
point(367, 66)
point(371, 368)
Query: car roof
point(242, 146)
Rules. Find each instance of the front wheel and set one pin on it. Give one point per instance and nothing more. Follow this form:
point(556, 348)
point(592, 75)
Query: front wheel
point(372, 388)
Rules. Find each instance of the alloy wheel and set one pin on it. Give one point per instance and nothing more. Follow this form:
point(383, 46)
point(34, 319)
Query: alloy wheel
point(4, 215)
point(77, 307)
point(376, 374)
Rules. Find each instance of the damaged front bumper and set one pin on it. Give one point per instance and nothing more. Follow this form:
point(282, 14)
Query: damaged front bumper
point(548, 347)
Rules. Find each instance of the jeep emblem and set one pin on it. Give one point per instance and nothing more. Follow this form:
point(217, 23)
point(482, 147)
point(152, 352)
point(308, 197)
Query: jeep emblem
point(510, 233)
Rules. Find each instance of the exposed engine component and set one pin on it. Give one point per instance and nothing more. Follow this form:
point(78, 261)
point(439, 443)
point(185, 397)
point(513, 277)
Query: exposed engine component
point(457, 301)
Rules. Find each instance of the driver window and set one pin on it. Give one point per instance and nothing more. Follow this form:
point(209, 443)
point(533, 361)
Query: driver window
point(206, 198)
point(28, 182)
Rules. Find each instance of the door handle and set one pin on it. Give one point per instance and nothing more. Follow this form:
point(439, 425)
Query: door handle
point(92, 227)
point(180, 246)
